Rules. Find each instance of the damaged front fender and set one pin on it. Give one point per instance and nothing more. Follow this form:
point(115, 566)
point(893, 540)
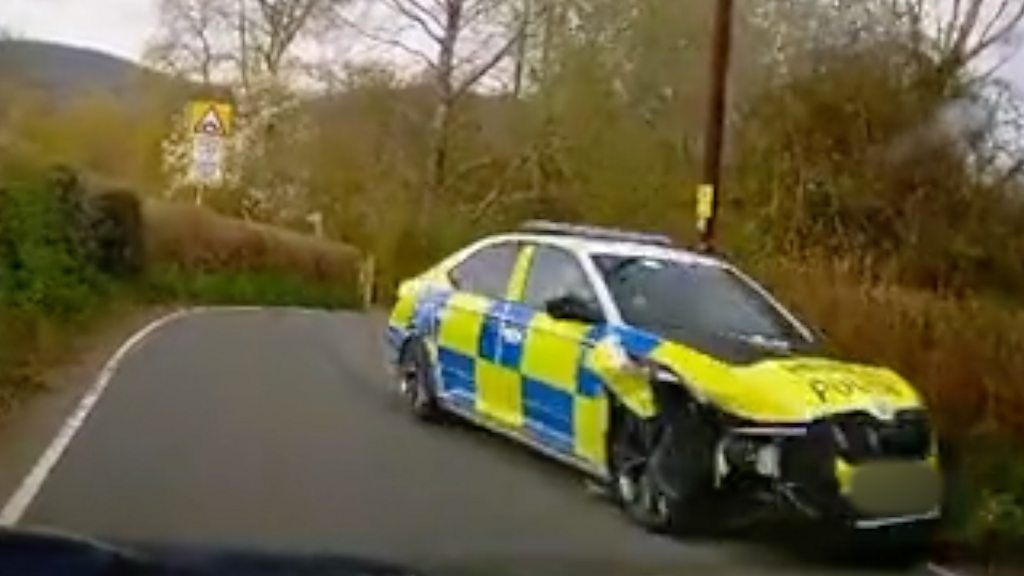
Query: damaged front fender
point(622, 376)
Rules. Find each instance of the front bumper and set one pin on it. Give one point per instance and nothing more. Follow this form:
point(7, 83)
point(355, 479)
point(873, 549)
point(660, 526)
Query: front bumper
point(866, 493)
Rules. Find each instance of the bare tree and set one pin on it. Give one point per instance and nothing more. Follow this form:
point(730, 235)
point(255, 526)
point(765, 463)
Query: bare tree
point(519, 68)
point(957, 35)
point(968, 28)
point(191, 39)
point(272, 30)
point(234, 41)
point(460, 43)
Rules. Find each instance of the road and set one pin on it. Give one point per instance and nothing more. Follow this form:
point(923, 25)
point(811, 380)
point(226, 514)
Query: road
point(279, 430)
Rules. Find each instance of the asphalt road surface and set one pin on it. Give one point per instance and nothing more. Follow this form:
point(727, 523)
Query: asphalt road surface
point(280, 430)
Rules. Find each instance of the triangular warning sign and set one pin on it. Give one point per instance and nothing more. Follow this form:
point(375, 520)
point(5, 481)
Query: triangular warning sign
point(211, 124)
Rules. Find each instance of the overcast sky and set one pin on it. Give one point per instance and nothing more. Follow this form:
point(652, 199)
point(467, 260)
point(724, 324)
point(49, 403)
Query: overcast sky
point(122, 26)
point(116, 26)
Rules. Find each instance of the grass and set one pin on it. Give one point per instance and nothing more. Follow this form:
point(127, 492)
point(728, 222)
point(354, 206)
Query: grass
point(244, 288)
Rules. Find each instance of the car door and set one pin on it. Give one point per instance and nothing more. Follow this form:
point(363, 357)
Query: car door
point(563, 405)
point(469, 335)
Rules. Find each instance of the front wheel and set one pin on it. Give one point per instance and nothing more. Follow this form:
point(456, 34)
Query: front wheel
point(661, 470)
point(417, 382)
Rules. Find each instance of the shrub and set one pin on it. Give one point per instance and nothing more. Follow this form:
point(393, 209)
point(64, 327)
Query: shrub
point(191, 239)
point(115, 230)
point(44, 264)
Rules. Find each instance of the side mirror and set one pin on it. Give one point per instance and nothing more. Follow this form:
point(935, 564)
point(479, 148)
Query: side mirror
point(570, 307)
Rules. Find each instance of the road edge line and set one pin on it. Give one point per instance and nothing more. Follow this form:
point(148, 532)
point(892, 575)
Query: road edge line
point(26, 492)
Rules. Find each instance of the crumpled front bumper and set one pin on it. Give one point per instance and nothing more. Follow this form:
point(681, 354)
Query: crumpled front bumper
point(864, 492)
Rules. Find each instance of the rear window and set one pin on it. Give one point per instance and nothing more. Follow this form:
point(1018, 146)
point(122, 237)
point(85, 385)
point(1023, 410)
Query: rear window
point(486, 271)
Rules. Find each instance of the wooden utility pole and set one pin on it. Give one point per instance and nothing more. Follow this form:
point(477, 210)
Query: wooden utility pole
point(709, 194)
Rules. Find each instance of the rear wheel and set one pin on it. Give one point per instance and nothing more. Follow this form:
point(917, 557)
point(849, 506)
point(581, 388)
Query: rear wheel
point(417, 384)
point(661, 470)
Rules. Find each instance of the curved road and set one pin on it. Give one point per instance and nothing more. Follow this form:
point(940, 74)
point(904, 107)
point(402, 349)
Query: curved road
point(279, 430)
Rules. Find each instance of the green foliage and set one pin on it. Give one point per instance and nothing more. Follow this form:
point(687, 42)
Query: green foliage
point(48, 283)
point(44, 264)
point(988, 502)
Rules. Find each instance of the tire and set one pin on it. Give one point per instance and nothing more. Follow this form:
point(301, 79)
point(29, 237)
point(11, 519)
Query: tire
point(661, 470)
point(416, 382)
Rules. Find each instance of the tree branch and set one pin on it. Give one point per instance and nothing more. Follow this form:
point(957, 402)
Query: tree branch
point(1012, 173)
point(964, 30)
point(420, 14)
point(488, 65)
point(471, 167)
point(947, 37)
point(984, 43)
point(478, 9)
point(990, 24)
point(386, 41)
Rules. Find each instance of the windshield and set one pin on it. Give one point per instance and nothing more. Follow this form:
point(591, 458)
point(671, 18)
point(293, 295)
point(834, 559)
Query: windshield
point(676, 298)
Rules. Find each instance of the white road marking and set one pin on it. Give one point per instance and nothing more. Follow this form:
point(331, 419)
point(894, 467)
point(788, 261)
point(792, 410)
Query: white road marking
point(15, 508)
point(940, 571)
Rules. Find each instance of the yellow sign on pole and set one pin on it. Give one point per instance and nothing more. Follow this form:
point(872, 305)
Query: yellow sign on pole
point(211, 118)
point(705, 205)
point(210, 124)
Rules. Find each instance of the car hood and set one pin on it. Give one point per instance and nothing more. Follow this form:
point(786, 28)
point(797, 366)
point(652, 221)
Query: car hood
point(790, 389)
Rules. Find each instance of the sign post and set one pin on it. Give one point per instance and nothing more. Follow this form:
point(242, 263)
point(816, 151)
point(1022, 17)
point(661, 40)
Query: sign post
point(710, 192)
point(209, 126)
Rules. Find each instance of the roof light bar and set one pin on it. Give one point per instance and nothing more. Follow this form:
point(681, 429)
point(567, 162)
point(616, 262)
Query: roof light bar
point(595, 232)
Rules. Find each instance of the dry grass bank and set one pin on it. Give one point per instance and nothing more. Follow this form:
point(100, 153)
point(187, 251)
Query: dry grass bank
point(184, 236)
point(965, 354)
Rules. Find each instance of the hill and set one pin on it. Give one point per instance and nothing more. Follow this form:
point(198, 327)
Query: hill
point(66, 71)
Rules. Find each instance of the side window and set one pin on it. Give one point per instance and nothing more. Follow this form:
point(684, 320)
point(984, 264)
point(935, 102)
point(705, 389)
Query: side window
point(487, 271)
point(554, 273)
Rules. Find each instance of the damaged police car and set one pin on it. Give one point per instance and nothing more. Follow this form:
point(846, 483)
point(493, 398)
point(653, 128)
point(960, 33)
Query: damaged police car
point(667, 374)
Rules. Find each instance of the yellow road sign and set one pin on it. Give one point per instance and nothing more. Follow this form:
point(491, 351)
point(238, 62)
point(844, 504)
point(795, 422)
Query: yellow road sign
point(705, 202)
point(211, 118)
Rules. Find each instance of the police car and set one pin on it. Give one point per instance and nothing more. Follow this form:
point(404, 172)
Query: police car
point(667, 374)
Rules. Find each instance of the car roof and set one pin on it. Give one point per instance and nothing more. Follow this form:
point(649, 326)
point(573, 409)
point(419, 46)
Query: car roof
point(588, 246)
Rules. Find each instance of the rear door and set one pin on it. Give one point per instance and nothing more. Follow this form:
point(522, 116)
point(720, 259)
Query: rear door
point(563, 406)
point(468, 335)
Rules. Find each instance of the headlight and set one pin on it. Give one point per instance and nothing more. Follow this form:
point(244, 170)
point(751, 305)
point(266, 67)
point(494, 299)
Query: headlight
point(752, 454)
